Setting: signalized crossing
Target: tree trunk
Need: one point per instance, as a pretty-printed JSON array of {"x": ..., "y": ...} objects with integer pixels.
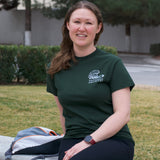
[
  {"x": 128, "y": 37},
  {"x": 28, "y": 22}
]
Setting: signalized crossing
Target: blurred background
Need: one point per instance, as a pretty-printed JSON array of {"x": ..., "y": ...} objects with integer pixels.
[{"x": 130, "y": 25}]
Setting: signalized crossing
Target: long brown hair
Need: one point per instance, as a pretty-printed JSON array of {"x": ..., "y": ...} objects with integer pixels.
[{"x": 63, "y": 58}]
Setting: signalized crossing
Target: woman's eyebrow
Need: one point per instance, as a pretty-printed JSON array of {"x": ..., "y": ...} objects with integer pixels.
[{"x": 76, "y": 18}]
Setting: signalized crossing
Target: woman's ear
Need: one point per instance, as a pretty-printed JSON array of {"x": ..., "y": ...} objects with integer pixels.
[
  {"x": 67, "y": 25},
  {"x": 99, "y": 28}
]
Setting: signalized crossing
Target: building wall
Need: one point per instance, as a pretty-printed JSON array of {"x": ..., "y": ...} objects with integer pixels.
[
  {"x": 143, "y": 37},
  {"x": 45, "y": 31},
  {"x": 11, "y": 27},
  {"x": 48, "y": 32}
]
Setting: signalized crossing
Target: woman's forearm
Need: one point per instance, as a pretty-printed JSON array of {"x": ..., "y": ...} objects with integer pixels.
[
  {"x": 110, "y": 127},
  {"x": 62, "y": 119},
  {"x": 120, "y": 117}
]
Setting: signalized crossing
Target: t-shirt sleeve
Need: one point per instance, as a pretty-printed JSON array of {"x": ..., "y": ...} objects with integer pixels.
[
  {"x": 120, "y": 77},
  {"x": 51, "y": 88}
]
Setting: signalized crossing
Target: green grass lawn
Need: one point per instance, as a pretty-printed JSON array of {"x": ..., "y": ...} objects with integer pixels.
[{"x": 22, "y": 107}]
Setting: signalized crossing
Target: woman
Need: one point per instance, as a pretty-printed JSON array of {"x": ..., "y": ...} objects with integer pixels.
[{"x": 92, "y": 91}]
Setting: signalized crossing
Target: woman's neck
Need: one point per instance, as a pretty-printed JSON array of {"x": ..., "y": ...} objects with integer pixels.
[{"x": 82, "y": 51}]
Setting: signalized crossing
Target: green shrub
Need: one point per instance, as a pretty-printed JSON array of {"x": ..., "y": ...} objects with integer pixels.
[
  {"x": 7, "y": 65},
  {"x": 109, "y": 49},
  {"x": 155, "y": 49},
  {"x": 31, "y": 63},
  {"x": 49, "y": 52},
  {"x": 28, "y": 63}
]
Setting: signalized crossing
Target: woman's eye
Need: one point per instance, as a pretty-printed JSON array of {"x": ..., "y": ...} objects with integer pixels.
[
  {"x": 88, "y": 23},
  {"x": 76, "y": 21}
]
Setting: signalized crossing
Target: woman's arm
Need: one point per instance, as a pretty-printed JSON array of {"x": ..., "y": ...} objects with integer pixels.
[
  {"x": 62, "y": 119},
  {"x": 121, "y": 108},
  {"x": 120, "y": 117}
]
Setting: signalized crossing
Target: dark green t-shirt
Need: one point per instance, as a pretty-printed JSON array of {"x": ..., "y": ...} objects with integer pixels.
[{"x": 85, "y": 91}]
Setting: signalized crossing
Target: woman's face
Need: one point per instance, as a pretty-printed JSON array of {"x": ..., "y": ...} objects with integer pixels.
[{"x": 83, "y": 27}]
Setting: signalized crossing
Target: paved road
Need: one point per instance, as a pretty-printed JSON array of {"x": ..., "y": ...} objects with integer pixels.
[
  {"x": 144, "y": 74},
  {"x": 143, "y": 69}
]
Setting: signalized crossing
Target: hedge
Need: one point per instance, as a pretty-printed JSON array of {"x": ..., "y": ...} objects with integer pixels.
[
  {"x": 28, "y": 63},
  {"x": 32, "y": 62},
  {"x": 155, "y": 49},
  {"x": 108, "y": 49},
  {"x": 7, "y": 63}
]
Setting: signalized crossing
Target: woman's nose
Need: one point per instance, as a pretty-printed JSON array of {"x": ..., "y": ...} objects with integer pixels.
[{"x": 82, "y": 27}]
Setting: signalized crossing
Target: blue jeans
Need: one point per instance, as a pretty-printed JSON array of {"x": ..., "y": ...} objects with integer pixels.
[{"x": 110, "y": 149}]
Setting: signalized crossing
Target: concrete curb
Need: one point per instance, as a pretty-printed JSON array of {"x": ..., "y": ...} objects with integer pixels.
[{"x": 5, "y": 143}]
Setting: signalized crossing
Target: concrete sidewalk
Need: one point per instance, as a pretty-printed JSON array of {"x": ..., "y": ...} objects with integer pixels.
[
  {"x": 5, "y": 143},
  {"x": 139, "y": 59},
  {"x": 144, "y": 69}
]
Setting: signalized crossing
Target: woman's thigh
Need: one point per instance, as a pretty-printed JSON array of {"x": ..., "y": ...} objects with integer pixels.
[
  {"x": 65, "y": 145},
  {"x": 106, "y": 150}
]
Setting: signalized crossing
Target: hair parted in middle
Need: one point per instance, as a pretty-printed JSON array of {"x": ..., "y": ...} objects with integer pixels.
[{"x": 63, "y": 58}]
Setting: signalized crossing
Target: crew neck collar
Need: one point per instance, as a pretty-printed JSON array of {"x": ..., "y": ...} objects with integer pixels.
[{"x": 87, "y": 56}]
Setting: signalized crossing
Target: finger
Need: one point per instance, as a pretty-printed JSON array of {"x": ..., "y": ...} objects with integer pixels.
[{"x": 69, "y": 154}]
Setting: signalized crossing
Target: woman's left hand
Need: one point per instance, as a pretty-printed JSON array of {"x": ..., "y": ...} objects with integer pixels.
[{"x": 75, "y": 149}]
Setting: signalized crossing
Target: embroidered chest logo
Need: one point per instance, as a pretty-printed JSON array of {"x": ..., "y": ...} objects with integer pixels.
[{"x": 95, "y": 76}]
